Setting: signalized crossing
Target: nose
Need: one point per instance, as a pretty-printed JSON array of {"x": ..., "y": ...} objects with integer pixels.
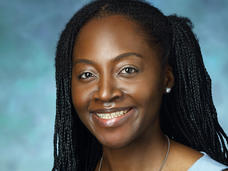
[{"x": 107, "y": 90}]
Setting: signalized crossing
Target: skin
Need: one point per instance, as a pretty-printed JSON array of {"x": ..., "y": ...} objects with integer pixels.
[{"x": 101, "y": 77}]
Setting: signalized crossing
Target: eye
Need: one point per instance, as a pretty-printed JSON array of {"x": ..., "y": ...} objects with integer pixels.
[
  {"x": 129, "y": 70},
  {"x": 85, "y": 75}
]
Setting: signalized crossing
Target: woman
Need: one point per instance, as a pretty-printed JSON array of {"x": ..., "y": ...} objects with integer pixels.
[{"x": 133, "y": 93}]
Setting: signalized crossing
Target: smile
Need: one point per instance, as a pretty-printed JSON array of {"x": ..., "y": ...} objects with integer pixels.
[{"x": 111, "y": 115}]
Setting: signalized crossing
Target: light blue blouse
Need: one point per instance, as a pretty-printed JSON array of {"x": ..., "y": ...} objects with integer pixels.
[{"x": 207, "y": 163}]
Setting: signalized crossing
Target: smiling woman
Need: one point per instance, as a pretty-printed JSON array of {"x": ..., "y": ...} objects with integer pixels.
[
  {"x": 133, "y": 93},
  {"x": 119, "y": 63}
]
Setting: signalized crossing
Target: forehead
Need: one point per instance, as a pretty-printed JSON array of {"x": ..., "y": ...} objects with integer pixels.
[
  {"x": 110, "y": 35},
  {"x": 111, "y": 27},
  {"x": 114, "y": 23}
]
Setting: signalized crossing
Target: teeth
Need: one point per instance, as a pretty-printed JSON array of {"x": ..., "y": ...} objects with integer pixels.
[{"x": 111, "y": 115}]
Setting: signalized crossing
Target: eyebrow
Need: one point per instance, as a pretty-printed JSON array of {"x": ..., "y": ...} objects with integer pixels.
[{"x": 117, "y": 58}]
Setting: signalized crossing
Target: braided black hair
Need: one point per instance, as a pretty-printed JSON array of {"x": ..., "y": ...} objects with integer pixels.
[{"x": 187, "y": 114}]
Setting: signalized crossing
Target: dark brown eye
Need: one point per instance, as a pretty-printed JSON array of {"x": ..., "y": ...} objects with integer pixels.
[
  {"x": 85, "y": 75},
  {"x": 128, "y": 70}
]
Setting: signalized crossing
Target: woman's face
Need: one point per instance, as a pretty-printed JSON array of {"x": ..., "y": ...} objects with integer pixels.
[{"x": 117, "y": 81}]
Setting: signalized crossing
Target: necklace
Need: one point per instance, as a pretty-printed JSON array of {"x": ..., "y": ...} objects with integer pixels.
[{"x": 163, "y": 162}]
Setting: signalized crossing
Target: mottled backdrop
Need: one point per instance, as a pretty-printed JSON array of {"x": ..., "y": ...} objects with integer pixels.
[{"x": 29, "y": 30}]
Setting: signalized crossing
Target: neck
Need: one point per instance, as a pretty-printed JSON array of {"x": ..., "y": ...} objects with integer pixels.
[{"x": 145, "y": 152}]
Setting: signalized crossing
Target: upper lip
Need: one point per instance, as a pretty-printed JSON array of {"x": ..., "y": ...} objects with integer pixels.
[{"x": 109, "y": 110}]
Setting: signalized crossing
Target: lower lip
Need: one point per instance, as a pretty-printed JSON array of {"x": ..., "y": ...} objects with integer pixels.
[{"x": 114, "y": 122}]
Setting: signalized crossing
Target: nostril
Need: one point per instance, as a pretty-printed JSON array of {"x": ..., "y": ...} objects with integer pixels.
[
  {"x": 107, "y": 91},
  {"x": 108, "y": 98}
]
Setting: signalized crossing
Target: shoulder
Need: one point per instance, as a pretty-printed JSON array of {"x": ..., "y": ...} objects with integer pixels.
[
  {"x": 207, "y": 163},
  {"x": 185, "y": 158}
]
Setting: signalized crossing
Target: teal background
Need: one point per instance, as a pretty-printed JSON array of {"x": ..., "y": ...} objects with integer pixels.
[{"x": 29, "y": 31}]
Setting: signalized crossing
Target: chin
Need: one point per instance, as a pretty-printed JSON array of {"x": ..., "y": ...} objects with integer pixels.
[
  {"x": 115, "y": 141},
  {"x": 115, "y": 144}
]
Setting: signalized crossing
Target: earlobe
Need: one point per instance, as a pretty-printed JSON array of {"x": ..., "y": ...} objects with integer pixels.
[{"x": 169, "y": 79}]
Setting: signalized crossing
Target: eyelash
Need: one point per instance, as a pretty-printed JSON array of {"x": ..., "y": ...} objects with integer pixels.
[
  {"x": 135, "y": 70},
  {"x": 131, "y": 68},
  {"x": 84, "y": 73}
]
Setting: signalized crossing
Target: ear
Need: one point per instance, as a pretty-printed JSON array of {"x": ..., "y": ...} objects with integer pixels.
[{"x": 169, "y": 79}]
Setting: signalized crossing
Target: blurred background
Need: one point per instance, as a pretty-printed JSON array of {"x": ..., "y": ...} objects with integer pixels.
[{"x": 29, "y": 31}]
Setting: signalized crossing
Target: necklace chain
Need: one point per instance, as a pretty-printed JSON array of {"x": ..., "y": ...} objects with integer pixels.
[{"x": 163, "y": 162}]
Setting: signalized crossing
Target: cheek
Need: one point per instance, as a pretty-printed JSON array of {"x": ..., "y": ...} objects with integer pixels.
[
  {"x": 148, "y": 96},
  {"x": 145, "y": 91},
  {"x": 151, "y": 93},
  {"x": 80, "y": 98}
]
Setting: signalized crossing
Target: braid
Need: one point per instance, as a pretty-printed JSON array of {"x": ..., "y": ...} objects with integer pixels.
[
  {"x": 187, "y": 115},
  {"x": 71, "y": 138},
  {"x": 194, "y": 116}
]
